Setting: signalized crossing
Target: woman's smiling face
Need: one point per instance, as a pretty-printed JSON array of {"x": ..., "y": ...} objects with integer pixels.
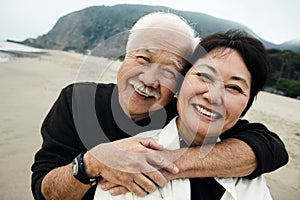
[{"x": 213, "y": 95}]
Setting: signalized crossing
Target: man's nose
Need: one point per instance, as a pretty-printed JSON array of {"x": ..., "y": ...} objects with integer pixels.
[{"x": 150, "y": 76}]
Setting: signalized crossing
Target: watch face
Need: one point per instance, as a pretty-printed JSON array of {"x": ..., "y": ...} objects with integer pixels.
[{"x": 75, "y": 167}]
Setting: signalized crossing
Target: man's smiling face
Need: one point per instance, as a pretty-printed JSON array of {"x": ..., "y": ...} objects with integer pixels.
[{"x": 147, "y": 80}]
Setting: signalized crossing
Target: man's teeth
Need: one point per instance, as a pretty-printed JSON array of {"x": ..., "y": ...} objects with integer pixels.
[
  {"x": 140, "y": 91},
  {"x": 206, "y": 112},
  {"x": 143, "y": 90}
]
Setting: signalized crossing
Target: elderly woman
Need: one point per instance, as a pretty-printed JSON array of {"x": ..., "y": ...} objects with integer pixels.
[{"x": 228, "y": 71}]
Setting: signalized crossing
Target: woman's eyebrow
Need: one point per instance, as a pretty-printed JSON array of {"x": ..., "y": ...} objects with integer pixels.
[
  {"x": 211, "y": 68},
  {"x": 238, "y": 78}
]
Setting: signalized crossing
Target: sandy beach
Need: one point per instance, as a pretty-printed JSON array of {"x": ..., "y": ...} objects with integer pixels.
[{"x": 30, "y": 84}]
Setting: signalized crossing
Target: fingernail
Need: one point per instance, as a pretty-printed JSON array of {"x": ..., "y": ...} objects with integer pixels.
[
  {"x": 103, "y": 186},
  {"x": 112, "y": 192},
  {"x": 176, "y": 170}
]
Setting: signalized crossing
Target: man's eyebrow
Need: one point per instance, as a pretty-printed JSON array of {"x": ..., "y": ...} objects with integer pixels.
[
  {"x": 177, "y": 64},
  {"x": 147, "y": 50},
  {"x": 175, "y": 61}
]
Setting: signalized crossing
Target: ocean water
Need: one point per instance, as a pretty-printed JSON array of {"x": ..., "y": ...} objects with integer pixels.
[
  {"x": 6, "y": 47},
  {"x": 10, "y": 46},
  {"x": 4, "y": 57}
]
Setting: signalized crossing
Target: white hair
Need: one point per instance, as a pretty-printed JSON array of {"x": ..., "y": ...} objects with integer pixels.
[
  {"x": 169, "y": 22},
  {"x": 161, "y": 19}
]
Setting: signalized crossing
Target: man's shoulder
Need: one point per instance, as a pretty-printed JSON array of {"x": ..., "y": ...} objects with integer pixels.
[
  {"x": 246, "y": 125},
  {"x": 88, "y": 86}
]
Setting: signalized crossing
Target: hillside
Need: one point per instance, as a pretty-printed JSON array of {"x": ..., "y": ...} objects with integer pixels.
[
  {"x": 293, "y": 45},
  {"x": 85, "y": 29}
]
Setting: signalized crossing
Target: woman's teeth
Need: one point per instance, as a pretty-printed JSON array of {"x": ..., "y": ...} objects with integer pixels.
[{"x": 207, "y": 113}]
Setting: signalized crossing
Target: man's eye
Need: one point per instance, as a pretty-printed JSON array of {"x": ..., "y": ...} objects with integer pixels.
[
  {"x": 205, "y": 77},
  {"x": 168, "y": 74},
  {"x": 143, "y": 59}
]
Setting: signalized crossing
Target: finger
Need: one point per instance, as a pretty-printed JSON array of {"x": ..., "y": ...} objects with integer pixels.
[
  {"x": 145, "y": 183},
  {"x": 155, "y": 176},
  {"x": 102, "y": 181},
  {"x": 108, "y": 185},
  {"x": 136, "y": 189},
  {"x": 118, "y": 190},
  {"x": 151, "y": 143},
  {"x": 160, "y": 162},
  {"x": 172, "y": 168}
]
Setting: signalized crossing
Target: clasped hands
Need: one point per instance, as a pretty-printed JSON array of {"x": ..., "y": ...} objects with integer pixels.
[{"x": 137, "y": 165}]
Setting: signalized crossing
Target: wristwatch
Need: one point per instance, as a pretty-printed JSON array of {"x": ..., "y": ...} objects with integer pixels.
[{"x": 79, "y": 173}]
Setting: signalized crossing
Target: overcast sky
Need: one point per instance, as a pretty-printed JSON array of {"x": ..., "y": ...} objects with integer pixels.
[{"x": 276, "y": 21}]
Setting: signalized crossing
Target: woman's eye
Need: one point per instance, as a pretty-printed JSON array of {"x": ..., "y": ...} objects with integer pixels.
[{"x": 235, "y": 89}]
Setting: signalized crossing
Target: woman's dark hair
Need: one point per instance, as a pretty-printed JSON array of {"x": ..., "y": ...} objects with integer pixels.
[{"x": 251, "y": 50}]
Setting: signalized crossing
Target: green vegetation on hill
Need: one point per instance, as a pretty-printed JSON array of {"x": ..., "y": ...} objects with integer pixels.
[{"x": 285, "y": 71}]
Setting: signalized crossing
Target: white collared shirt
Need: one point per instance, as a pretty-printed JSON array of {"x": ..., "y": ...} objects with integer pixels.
[{"x": 179, "y": 189}]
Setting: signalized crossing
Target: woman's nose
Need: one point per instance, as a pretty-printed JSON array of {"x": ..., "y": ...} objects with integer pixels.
[{"x": 215, "y": 95}]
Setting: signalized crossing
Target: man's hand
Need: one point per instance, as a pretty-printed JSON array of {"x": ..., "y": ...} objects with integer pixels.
[
  {"x": 115, "y": 189},
  {"x": 132, "y": 163}
]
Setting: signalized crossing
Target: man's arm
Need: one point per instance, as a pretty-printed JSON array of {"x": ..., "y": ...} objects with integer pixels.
[
  {"x": 229, "y": 158},
  {"x": 60, "y": 184},
  {"x": 128, "y": 162},
  {"x": 51, "y": 168},
  {"x": 128, "y": 167},
  {"x": 52, "y": 177},
  {"x": 247, "y": 150}
]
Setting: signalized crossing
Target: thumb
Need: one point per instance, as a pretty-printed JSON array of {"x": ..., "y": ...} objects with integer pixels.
[{"x": 151, "y": 143}]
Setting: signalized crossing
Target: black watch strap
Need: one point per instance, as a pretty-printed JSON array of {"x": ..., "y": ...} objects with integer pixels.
[{"x": 79, "y": 173}]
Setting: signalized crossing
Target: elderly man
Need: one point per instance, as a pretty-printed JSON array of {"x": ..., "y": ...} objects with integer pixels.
[{"x": 77, "y": 150}]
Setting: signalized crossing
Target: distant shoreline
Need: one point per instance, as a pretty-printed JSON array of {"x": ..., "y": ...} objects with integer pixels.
[
  {"x": 18, "y": 47},
  {"x": 11, "y": 49},
  {"x": 4, "y": 57}
]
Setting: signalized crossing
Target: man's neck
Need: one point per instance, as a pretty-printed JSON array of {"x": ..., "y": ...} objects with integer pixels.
[{"x": 138, "y": 117}]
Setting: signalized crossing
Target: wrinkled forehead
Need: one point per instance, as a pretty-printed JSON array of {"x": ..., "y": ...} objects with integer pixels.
[
  {"x": 164, "y": 39},
  {"x": 161, "y": 55}
]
